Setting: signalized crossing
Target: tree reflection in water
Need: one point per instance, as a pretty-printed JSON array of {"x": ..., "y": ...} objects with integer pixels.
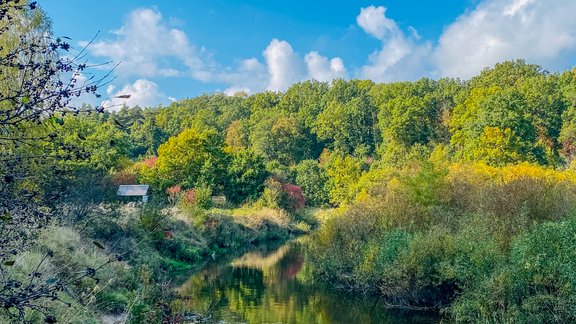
[{"x": 274, "y": 286}]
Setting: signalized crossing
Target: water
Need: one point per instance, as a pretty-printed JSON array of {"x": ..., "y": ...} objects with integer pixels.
[{"x": 273, "y": 285}]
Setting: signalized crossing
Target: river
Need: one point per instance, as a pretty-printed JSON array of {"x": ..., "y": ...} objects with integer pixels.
[{"x": 273, "y": 285}]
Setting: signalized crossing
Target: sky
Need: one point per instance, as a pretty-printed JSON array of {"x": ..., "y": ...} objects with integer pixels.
[{"x": 170, "y": 50}]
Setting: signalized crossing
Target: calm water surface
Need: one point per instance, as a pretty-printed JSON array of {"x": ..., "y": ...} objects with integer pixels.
[{"x": 273, "y": 285}]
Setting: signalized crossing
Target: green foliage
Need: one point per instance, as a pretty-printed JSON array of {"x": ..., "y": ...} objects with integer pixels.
[
  {"x": 479, "y": 243},
  {"x": 246, "y": 174},
  {"x": 344, "y": 172},
  {"x": 314, "y": 181},
  {"x": 349, "y": 118},
  {"x": 273, "y": 196},
  {"x": 509, "y": 114},
  {"x": 537, "y": 285},
  {"x": 199, "y": 197},
  {"x": 192, "y": 159}
]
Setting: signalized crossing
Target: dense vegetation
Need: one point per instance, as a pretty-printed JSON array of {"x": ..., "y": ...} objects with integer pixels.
[
  {"x": 453, "y": 195},
  {"x": 449, "y": 195}
]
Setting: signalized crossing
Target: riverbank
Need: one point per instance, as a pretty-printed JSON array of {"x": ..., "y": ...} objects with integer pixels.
[
  {"x": 136, "y": 252},
  {"x": 474, "y": 242}
]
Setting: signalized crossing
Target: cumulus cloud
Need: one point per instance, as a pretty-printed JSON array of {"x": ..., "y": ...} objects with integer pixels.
[
  {"x": 284, "y": 66},
  {"x": 322, "y": 69},
  {"x": 401, "y": 56},
  {"x": 142, "y": 92},
  {"x": 147, "y": 47},
  {"x": 249, "y": 76},
  {"x": 374, "y": 22},
  {"x": 542, "y": 32},
  {"x": 281, "y": 68}
]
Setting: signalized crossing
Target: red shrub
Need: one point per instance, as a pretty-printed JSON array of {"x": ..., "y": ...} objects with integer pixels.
[
  {"x": 173, "y": 193},
  {"x": 294, "y": 196},
  {"x": 150, "y": 162},
  {"x": 190, "y": 196}
]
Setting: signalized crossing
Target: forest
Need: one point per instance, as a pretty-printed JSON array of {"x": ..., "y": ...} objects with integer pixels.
[{"x": 453, "y": 196}]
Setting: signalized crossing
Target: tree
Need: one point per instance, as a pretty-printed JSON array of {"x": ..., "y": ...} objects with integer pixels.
[
  {"x": 36, "y": 87},
  {"x": 514, "y": 106},
  {"x": 349, "y": 119},
  {"x": 246, "y": 174},
  {"x": 237, "y": 135},
  {"x": 282, "y": 139},
  {"x": 193, "y": 159},
  {"x": 313, "y": 181},
  {"x": 343, "y": 171}
]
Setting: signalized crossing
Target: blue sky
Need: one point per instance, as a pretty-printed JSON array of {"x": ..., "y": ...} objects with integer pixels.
[{"x": 176, "y": 49}]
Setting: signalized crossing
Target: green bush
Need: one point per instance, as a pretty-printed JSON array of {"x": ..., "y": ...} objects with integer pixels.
[
  {"x": 479, "y": 243},
  {"x": 538, "y": 285}
]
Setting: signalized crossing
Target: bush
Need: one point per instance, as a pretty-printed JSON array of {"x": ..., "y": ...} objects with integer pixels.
[
  {"x": 196, "y": 198},
  {"x": 480, "y": 243},
  {"x": 273, "y": 195},
  {"x": 537, "y": 286},
  {"x": 294, "y": 200}
]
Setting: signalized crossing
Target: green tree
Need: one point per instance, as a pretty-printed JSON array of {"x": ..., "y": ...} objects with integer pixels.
[
  {"x": 314, "y": 182},
  {"x": 343, "y": 171},
  {"x": 246, "y": 174},
  {"x": 193, "y": 159},
  {"x": 350, "y": 118}
]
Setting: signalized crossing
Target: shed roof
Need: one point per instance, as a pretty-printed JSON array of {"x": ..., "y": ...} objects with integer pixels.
[{"x": 132, "y": 190}]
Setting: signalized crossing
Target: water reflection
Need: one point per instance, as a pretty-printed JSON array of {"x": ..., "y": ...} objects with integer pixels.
[{"x": 273, "y": 285}]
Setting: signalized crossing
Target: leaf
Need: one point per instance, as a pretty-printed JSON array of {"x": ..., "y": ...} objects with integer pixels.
[
  {"x": 25, "y": 100},
  {"x": 9, "y": 263},
  {"x": 98, "y": 245},
  {"x": 51, "y": 281},
  {"x": 59, "y": 121},
  {"x": 80, "y": 136}
]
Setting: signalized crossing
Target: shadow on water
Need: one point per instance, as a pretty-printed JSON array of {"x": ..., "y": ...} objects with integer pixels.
[{"x": 273, "y": 285}]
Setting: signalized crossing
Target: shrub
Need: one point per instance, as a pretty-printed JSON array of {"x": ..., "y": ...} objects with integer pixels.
[
  {"x": 480, "y": 243},
  {"x": 536, "y": 286},
  {"x": 273, "y": 195},
  {"x": 196, "y": 198},
  {"x": 294, "y": 198}
]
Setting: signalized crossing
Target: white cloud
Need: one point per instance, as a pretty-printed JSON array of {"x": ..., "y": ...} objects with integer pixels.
[
  {"x": 542, "y": 32},
  {"x": 147, "y": 47},
  {"x": 401, "y": 57},
  {"x": 142, "y": 92},
  {"x": 322, "y": 69},
  {"x": 284, "y": 66},
  {"x": 374, "y": 22},
  {"x": 249, "y": 76}
]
